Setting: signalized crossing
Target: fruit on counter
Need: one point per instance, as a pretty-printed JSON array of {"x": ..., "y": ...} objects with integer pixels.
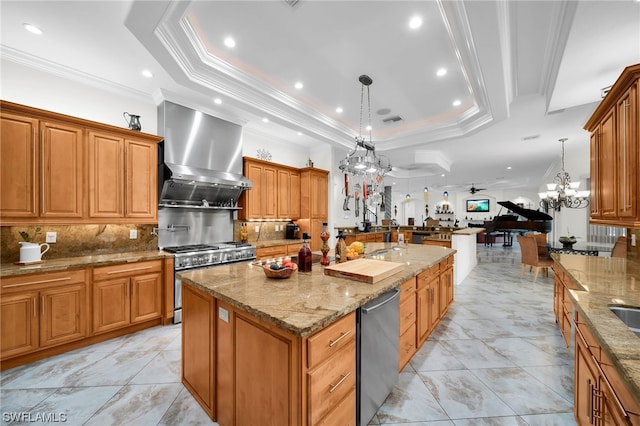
[
  {"x": 357, "y": 246},
  {"x": 276, "y": 267},
  {"x": 352, "y": 253}
]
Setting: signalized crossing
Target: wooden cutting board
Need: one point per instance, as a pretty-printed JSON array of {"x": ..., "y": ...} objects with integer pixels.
[{"x": 365, "y": 270}]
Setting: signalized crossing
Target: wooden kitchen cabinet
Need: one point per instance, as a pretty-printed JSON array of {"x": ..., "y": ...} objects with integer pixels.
[
  {"x": 310, "y": 381},
  {"x": 42, "y": 168},
  {"x": 126, "y": 294},
  {"x": 122, "y": 177},
  {"x": 615, "y": 157},
  {"x": 66, "y": 170},
  {"x": 407, "y": 322},
  {"x": 313, "y": 203},
  {"x": 43, "y": 310},
  {"x": 600, "y": 395},
  {"x": 563, "y": 307},
  {"x": 288, "y": 193}
]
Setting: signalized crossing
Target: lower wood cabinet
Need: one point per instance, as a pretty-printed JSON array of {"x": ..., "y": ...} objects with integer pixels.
[
  {"x": 126, "y": 294},
  {"x": 49, "y": 313},
  {"x": 407, "y": 347},
  {"x": 562, "y": 305},
  {"x": 600, "y": 395},
  {"x": 243, "y": 370},
  {"x": 43, "y": 310}
]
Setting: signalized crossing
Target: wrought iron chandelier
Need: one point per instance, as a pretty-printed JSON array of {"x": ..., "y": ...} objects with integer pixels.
[
  {"x": 563, "y": 192},
  {"x": 363, "y": 160}
]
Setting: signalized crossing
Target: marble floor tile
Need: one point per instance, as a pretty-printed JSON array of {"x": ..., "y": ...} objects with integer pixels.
[
  {"x": 463, "y": 396},
  {"x": 410, "y": 401},
  {"x": 137, "y": 405},
  {"x": 434, "y": 356},
  {"x": 117, "y": 369},
  {"x": 492, "y": 421},
  {"x": 557, "y": 377},
  {"x": 522, "y": 391},
  {"x": 474, "y": 353},
  {"x": 185, "y": 410},
  {"x": 561, "y": 419},
  {"x": 77, "y": 404},
  {"x": 21, "y": 400},
  {"x": 522, "y": 353},
  {"x": 164, "y": 368}
]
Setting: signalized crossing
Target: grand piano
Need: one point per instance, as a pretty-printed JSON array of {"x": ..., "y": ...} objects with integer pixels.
[{"x": 509, "y": 223}]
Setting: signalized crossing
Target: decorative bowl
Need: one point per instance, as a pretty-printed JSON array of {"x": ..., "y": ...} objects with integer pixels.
[{"x": 279, "y": 273}]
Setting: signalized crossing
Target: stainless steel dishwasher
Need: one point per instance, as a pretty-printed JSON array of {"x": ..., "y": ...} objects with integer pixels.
[{"x": 377, "y": 337}]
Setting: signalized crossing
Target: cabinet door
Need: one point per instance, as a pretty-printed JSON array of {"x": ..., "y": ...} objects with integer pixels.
[
  {"x": 627, "y": 160},
  {"x": 607, "y": 167},
  {"x": 586, "y": 404},
  {"x": 142, "y": 180},
  {"x": 63, "y": 314},
  {"x": 270, "y": 181},
  {"x": 316, "y": 228},
  {"x": 146, "y": 297},
  {"x": 319, "y": 209},
  {"x": 19, "y": 326},
  {"x": 294, "y": 195},
  {"x": 434, "y": 286},
  {"x": 19, "y": 171},
  {"x": 284, "y": 194},
  {"x": 594, "y": 148},
  {"x": 106, "y": 175},
  {"x": 253, "y": 197},
  {"x": 62, "y": 177},
  {"x": 423, "y": 307},
  {"x": 111, "y": 304}
]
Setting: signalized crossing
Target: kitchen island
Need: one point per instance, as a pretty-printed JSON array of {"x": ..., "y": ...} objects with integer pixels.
[{"x": 284, "y": 350}]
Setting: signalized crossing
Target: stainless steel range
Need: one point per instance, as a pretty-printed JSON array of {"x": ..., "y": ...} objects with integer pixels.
[
  {"x": 199, "y": 256},
  {"x": 200, "y": 180}
]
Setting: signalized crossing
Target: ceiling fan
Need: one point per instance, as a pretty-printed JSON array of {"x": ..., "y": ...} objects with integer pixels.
[{"x": 473, "y": 189}]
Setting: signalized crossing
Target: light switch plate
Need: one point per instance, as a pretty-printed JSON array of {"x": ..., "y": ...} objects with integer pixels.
[
  {"x": 257, "y": 228},
  {"x": 133, "y": 234},
  {"x": 633, "y": 240},
  {"x": 51, "y": 237}
]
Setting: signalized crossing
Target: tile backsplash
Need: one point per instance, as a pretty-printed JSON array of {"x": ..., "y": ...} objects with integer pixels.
[
  {"x": 267, "y": 230},
  {"x": 78, "y": 240}
]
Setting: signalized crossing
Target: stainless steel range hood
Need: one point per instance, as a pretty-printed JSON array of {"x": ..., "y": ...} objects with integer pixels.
[{"x": 202, "y": 155}]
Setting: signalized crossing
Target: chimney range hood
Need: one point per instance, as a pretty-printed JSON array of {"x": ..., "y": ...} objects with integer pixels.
[{"x": 201, "y": 160}]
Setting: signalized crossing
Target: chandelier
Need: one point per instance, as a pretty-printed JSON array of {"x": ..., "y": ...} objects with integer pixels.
[
  {"x": 563, "y": 192},
  {"x": 363, "y": 160}
]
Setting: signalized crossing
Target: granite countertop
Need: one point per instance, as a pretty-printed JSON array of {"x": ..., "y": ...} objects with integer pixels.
[
  {"x": 64, "y": 263},
  {"x": 308, "y": 301},
  {"x": 604, "y": 282}
]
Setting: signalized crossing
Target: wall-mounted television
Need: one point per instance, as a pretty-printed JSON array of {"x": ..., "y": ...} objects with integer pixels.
[{"x": 478, "y": 206}]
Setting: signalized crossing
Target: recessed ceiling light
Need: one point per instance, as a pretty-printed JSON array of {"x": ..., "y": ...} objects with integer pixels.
[
  {"x": 442, "y": 175},
  {"x": 147, "y": 73},
  {"x": 299, "y": 133},
  {"x": 415, "y": 22},
  {"x": 368, "y": 128},
  {"x": 265, "y": 120},
  {"x": 230, "y": 42},
  {"x": 508, "y": 167},
  {"x": 339, "y": 110},
  {"x": 217, "y": 101},
  {"x": 298, "y": 85},
  {"x": 456, "y": 102},
  {"x": 441, "y": 72},
  {"x": 32, "y": 28}
]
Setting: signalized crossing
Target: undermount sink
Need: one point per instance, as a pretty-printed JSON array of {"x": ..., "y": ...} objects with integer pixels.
[
  {"x": 383, "y": 251},
  {"x": 629, "y": 316}
]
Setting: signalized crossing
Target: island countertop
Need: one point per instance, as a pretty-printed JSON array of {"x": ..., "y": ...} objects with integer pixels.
[
  {"x": 604, "y": 282},
  {"x": 308, "y": 301}
]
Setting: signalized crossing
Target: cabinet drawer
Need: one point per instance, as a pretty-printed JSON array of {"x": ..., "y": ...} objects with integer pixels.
[
  {"x": 293, "y": 249},
  {"x": 407, "y": 289},
  {"x": 428, "y": 275},
  {"x": 329, "y": 340},
  {"x": 344, "y": 414},
  {"x": 37, "y": 281},
  {"x": 126, "y": 270},
  {"x": 407, "y": 312},
  {"x": 331, "y": 381},
  {"x": 273, "y": 251},
  {"x": 407, "y": 345}
]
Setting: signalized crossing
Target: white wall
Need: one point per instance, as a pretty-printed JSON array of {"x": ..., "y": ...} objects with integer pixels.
[{"x": 29, "y": 86}]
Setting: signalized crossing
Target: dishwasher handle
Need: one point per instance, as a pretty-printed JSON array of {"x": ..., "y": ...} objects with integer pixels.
[{"x": 396, "y": 293}]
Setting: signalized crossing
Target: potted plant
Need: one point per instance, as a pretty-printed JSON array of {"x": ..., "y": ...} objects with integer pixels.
[{"x": 567, "y": 242}]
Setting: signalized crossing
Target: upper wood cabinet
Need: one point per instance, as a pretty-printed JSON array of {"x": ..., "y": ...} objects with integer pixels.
[
  {"x": 61, "y": 169},
  {"x": 275, "y": 193},
  {"x": 122, "y": 177},
  {"x": 615, "y": 156},
  {"x": 41, "y": 168},
  {"x": 314, "y": 188}
]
